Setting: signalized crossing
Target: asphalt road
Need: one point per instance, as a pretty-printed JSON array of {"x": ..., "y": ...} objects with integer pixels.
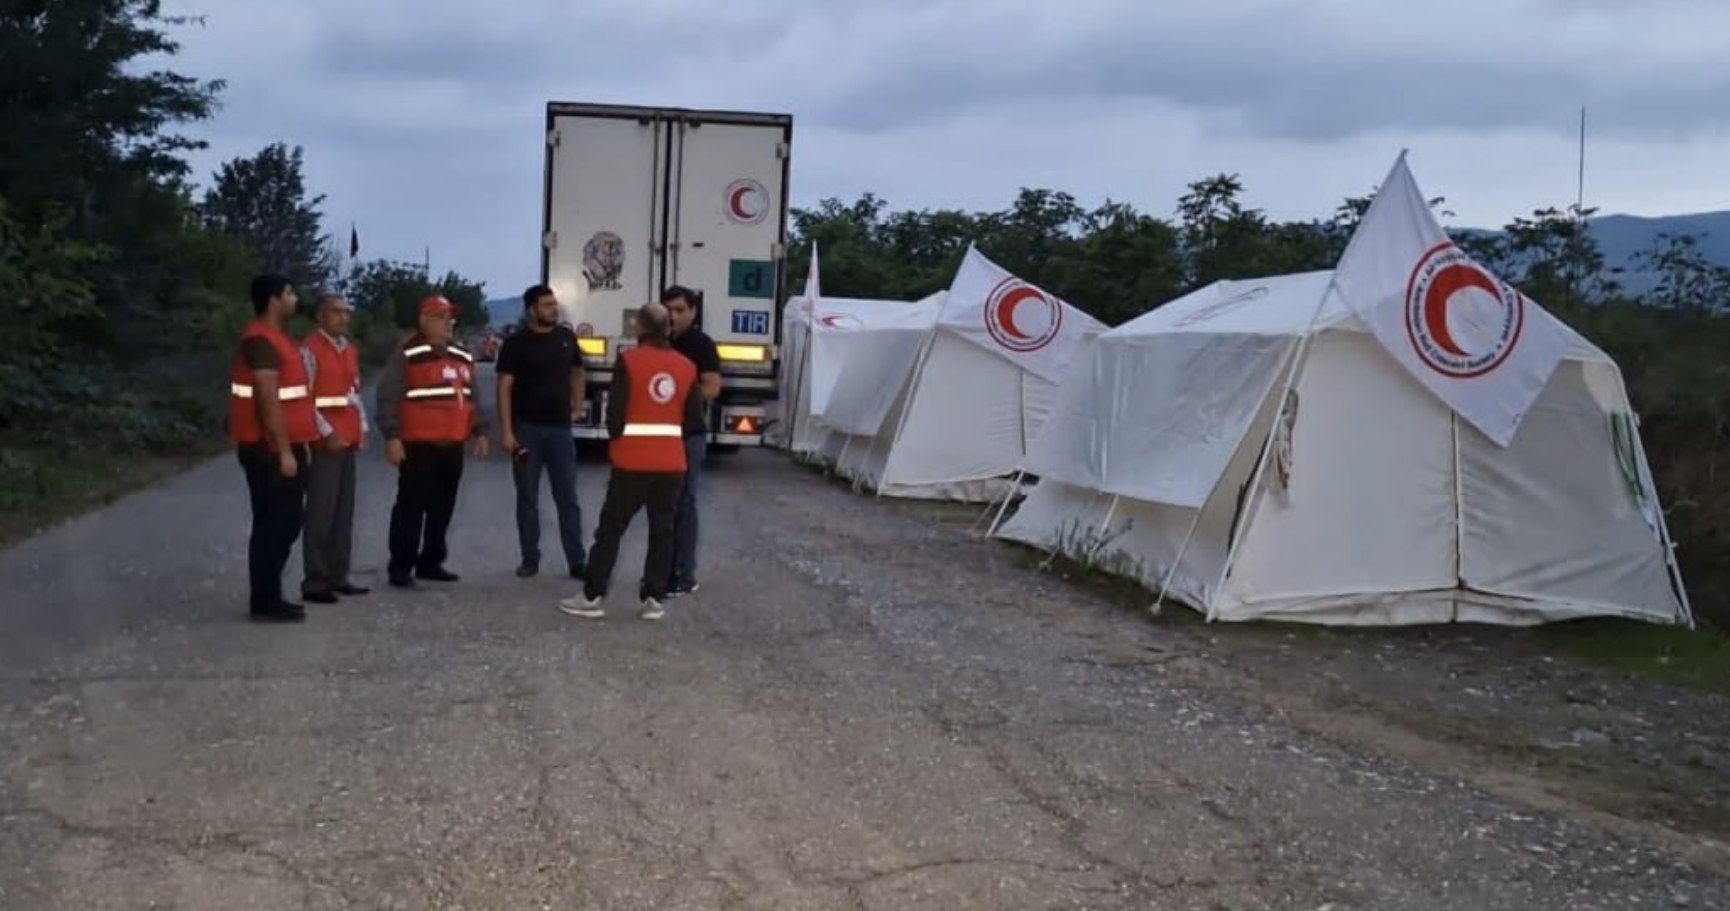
[{"x": 863, "y": 708}]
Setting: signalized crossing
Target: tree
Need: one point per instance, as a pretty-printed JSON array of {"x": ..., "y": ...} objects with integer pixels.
[
  {"x": 262, "y": 202},
  {"x": 78, "y": 123},
  {"x": 392, "y": 291}
]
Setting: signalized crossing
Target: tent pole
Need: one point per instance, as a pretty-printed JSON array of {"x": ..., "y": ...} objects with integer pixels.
[
  {"x": 1647, "y": 481},
  {"x": 1300, "y": 351},
  {"x": 1014, "y": 487},
  {"x": 1177, "y": 561},
  {"x": 911, "y": 389},
  {"x": 835, "y": 466},
  {"x": 1459, "y": 513}
]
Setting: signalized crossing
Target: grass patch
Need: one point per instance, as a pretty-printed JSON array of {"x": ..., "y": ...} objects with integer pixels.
[
  {"x": 1698, "y": 658},
  {"x": 46, "y": 485}
]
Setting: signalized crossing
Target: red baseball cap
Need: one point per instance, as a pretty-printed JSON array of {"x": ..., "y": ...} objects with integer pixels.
[{"x": 437, "y": 305}]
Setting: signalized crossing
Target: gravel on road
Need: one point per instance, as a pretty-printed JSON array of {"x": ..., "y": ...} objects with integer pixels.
[{"x": 864, "y": 707}]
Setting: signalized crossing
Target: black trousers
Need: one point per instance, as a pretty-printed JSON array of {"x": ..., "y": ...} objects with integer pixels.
[
  {"x": 278, "y": 506},
  {"x": 627, "y": 492},
  {"x": 426, "y": 496}
]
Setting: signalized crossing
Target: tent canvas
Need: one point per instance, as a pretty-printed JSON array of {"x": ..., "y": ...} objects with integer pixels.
[
  {"x": 811, "y": 363},
  {"x": 925, "y": 413},
  {"x": 1370, "y": 502}
]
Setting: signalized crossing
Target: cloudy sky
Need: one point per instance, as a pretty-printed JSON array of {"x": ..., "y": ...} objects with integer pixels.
[{"x": 422, "y": 119}]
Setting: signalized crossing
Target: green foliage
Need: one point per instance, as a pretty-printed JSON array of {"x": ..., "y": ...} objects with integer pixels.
[
  {"x": 121, "y": 298},
  {"x": 394, "y": 290},
  {"x": 1673, "y": 344},
  {"x": 262, "y": 202}
]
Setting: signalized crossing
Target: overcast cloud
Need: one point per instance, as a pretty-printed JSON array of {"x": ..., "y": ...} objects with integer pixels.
[{"x": 422, "y": 119}]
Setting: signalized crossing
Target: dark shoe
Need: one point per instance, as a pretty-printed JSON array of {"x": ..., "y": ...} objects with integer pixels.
[
  {"x": 682, "y": 588},
  {"x": 286, "y": 612},
  {"x": 525, "y": 571},
  {"x": 436, "y": 574},
  {"x": 401, "y": 580},
  {"x": 349, "y": 588},
  {"x": 319, "y": 597}
]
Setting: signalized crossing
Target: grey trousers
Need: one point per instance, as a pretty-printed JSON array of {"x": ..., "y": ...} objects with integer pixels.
[{"x": 327, "y": 538}]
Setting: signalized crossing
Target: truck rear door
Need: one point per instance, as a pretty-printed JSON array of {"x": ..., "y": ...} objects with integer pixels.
[
  {"x": 728, "y": 237},
  {"x": 606, "y": 179}
]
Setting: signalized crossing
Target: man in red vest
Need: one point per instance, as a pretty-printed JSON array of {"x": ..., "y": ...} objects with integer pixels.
[
  {"x": 272, "y": 422},
  {"x": 426, "y": 412},
  {"x": 651, "y": 400},
  {"x": 327, "y": 540}
]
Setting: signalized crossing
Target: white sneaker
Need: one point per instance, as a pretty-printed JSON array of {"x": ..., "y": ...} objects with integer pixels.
[
  {"x": 582, "y": 606},
  {"x": 652, "y": 610}
]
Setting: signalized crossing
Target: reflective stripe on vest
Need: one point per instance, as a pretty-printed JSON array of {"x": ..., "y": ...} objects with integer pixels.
[
  {"x": 299, "y": 415},
  {"x": 332, "y": 401},
  {"x": 419, "y": 350},
  {"x": 438, "y": 396},
  {"x": 654, "y": 430},
  {"x": 286, "y": 393}
]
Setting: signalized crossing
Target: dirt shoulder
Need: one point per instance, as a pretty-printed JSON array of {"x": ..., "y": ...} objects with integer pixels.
[{"x": 1518, "y": 712}]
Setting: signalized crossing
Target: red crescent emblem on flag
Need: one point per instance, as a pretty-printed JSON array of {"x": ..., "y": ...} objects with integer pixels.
[
  {"x": 1444, "y": 283},
  {"x": 1009, "y": 311}
]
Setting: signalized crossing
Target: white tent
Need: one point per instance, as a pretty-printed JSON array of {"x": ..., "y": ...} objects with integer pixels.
[
  {"x": 922, "y": 412},
  {"x": 811, "y": 359},
  {"x": 1372, "y": 503}
]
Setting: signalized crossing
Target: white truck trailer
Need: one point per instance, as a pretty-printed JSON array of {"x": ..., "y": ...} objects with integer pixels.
[{"x": 641, "y": 198}]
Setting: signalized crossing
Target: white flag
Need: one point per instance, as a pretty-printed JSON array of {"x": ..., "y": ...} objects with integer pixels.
[
  {"x": 1019, "y": 321},
  {"x": 1468, "y": 336}
]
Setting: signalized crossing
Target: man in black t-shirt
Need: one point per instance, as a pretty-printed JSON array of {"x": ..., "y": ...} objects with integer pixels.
[
  {"x": 695, "y": 344},
  {"x": 541, "y": 394}
]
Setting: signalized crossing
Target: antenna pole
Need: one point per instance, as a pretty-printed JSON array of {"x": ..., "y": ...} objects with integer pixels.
[{"x": 1580, "y": 193}]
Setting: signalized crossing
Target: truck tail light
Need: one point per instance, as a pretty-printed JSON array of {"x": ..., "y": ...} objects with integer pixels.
[
  {"x": 754, "y": 354},
  {"x": 743, "y": 423}
]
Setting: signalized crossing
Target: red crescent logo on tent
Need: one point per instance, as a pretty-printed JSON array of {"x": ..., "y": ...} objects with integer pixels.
[
  {"x": 661, "y": 388},
  {"x": 840, "y": 321},
  {"x": 1010, "y": 309},
  {"x": 746, "y": 201},
  {"x": 1444, "y": 279}
]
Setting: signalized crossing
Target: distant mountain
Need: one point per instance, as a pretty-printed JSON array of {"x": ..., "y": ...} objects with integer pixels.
[
  {"x": 504, "y": 311},
  {"x": 1622, "y": 238}
]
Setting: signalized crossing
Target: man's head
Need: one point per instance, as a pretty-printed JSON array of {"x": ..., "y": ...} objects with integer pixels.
[
  {"x": 541, "y": 307},
  {"x": 652, "y": 324},
  {"x": 681, "y": 304},
  {"x": 332, "y": 315},
  {"x": 273, "y": 297},
  {"x": 438, "y": 318}
]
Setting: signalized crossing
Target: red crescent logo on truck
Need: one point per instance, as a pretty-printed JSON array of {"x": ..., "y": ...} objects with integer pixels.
[{"x": 747, "y": 202}]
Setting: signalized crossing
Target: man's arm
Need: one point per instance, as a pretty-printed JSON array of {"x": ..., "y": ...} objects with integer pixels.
[
  {"x": 506, "y": 368},
  {"x": 266, "y": 370},
  {"x": 617, "y": 397},
  {"x": 477, "y": 421},
  {"x": 388, "y": 396},
  {"x": 311, "y": 363},
  {"x": 579, "y": 386},
  {"x": 709, "y": 370},
  {"x": 695, "y": 405}
]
